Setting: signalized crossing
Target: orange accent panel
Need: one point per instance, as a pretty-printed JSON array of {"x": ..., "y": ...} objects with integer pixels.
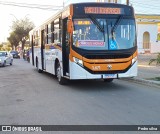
[
  {"x": 74, "y": 54},
  {"x": 71, "y": 58},
  {"x": 107, "y": 60},
  {"x": 71, "y": 10},
  {"x": 135, "y": 54},
  {"x": 47, "y": 46},
  {"x": 103, "y": 67},
  {"x": 57, "y": 47}
]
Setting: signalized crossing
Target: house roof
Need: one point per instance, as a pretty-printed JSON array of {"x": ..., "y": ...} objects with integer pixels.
[{"x": 147, "y": 18}]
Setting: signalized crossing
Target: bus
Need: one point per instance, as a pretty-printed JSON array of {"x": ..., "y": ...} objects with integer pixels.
[{"x": 87, "y": 41}]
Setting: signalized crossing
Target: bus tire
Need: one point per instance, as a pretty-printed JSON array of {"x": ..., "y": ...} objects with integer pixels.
[
  {"x": 61, "y": 80},
  {"x": 108, "y": 80},
  {"x": 37, "y": 65}
]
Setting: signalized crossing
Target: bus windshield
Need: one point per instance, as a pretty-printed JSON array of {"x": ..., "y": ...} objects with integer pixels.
[{"x": 106, "y": 34}]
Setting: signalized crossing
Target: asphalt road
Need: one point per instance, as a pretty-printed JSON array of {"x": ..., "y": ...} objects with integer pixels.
[
  {"x": 30, "y": 98},
  {"x": 146, "y": 71}
]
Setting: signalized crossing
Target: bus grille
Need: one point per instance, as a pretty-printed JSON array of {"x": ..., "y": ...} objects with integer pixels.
[{"x": 109, "y": 56}]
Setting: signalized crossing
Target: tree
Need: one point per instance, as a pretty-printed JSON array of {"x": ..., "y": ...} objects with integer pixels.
[
  {"x": 157, "y": 60},
  {"x": 1, "y": 45},
  {"x": 13, "y": 39},
  {"x": 21, "y": 29}
]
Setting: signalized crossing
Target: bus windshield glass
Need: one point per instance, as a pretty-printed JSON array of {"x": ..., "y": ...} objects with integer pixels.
[{"x": 105, "y": 34}]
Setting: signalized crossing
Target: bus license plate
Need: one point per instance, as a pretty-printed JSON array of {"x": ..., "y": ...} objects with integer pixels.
[{"x": 108, "y": 76}]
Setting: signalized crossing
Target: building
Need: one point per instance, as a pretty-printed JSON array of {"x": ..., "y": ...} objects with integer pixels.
[{"x": 148, "y": 33}]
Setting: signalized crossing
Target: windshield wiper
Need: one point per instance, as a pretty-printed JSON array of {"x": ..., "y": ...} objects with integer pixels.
[
  {"x": 97, "y": 23},
  {"x": 116, "y": 24}
]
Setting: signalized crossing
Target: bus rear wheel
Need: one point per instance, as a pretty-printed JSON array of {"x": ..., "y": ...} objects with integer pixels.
[{"x": 61, "y": 80}]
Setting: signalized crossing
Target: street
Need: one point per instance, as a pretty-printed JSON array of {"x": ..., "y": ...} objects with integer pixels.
[
  {"x": 145, "y": 70},
  {"x": 30, "y": 98}
]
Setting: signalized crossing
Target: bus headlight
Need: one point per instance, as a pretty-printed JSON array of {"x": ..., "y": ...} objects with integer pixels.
[
  {"x": 78, "y": 61},
  {"x": 134, "y": 60}
]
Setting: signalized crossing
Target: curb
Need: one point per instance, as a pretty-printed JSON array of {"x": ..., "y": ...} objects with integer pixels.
[{"x": 143, "y": 81}]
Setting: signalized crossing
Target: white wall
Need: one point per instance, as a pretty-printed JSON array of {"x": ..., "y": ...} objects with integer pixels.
[
  {"x": 141, "y": 28},
  {"x": 155, "y": 47}
]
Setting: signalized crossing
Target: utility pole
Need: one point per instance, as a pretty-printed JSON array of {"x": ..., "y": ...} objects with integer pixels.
[
  {"x": 63, "y": 3},
  {"x": 127, "y": 2}
]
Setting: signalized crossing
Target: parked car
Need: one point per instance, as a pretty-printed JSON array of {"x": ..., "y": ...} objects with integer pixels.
[
  {"x": 5, "y": 58},
  {"x": 15, "y": 54},
  {"x": 26, "y": 55}
]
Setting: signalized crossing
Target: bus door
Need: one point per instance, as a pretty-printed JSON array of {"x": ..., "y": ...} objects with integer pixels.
[
  {"x": 65, "y": 48},
  {"x": 42, "y": 48}
]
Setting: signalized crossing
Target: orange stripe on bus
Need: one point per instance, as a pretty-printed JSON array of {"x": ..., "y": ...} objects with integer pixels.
[
  {"x": 75, "y": 54},
  {"x": 104, "y": 67},
  {"x": 71, "y": 10},
  {"x": 57, "y": 47},
  {"x": 135, "y": 54},
  {"x": 106, "y": 60}
]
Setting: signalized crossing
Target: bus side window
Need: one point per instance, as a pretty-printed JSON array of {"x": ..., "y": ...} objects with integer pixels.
[
  {"x": 57, "y": 34},
  {"x": 49, "y": 34}
]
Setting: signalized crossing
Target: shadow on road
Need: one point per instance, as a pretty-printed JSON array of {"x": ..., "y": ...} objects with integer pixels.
[
  {"x": 87, "y": 85},
  {"x": 96, "y": 85}
]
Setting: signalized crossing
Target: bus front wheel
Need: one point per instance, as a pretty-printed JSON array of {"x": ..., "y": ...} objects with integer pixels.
[{"x": 61, "y": 80}]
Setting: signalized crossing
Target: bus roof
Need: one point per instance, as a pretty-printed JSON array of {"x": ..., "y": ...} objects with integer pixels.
[{"x": 92, "y": 8}]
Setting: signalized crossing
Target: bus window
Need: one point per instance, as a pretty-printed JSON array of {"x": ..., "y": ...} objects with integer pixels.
[
  {"x": 122, "y": 35},
  {"x": 49, "y": 34},
  {"x": 86, "y": 34},
  {"x": 57, "y": 33}
]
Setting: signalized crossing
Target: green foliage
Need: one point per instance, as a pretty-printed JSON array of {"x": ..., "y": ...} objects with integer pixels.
[
  {"x": 20, "y": 31},
  {"x": 5, "y": 47},
  {"x": 13, "y": 39},
  {"x": 1, "y": 46},
  {"x": 156, "y": 79},
  {"x": 157, "y": 60}
]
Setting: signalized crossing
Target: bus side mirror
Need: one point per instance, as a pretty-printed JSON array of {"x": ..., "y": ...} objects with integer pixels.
[{"x": 70, "y": 26}]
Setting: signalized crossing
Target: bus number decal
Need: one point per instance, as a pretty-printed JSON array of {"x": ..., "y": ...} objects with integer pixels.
[{"x": 96, "y": 67}]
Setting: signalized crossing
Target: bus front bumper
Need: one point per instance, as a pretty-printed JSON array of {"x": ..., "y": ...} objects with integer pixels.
[{"x": 78, "y": 72}]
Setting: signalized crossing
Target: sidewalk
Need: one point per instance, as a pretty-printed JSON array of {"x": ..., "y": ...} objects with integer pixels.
[{"x": 147, "y": 73}]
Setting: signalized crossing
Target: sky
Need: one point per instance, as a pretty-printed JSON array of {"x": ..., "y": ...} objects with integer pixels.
[{"x": 10, "y": 13}]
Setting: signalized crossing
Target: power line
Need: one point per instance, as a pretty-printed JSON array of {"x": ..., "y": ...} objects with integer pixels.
[
  {"x": 36, "y": 6},
  {"x": 28, "y": 4}
]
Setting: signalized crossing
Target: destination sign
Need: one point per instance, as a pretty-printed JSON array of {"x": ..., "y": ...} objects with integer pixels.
[
  {"x": 102, "y": 10},
  {"x": 82, "y": 22}
]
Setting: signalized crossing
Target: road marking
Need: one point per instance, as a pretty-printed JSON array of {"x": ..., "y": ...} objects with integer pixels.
[{"x": 147, "y": 66}]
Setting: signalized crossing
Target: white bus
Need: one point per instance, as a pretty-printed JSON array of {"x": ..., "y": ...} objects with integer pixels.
[{"x": 87, "y": 41}]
